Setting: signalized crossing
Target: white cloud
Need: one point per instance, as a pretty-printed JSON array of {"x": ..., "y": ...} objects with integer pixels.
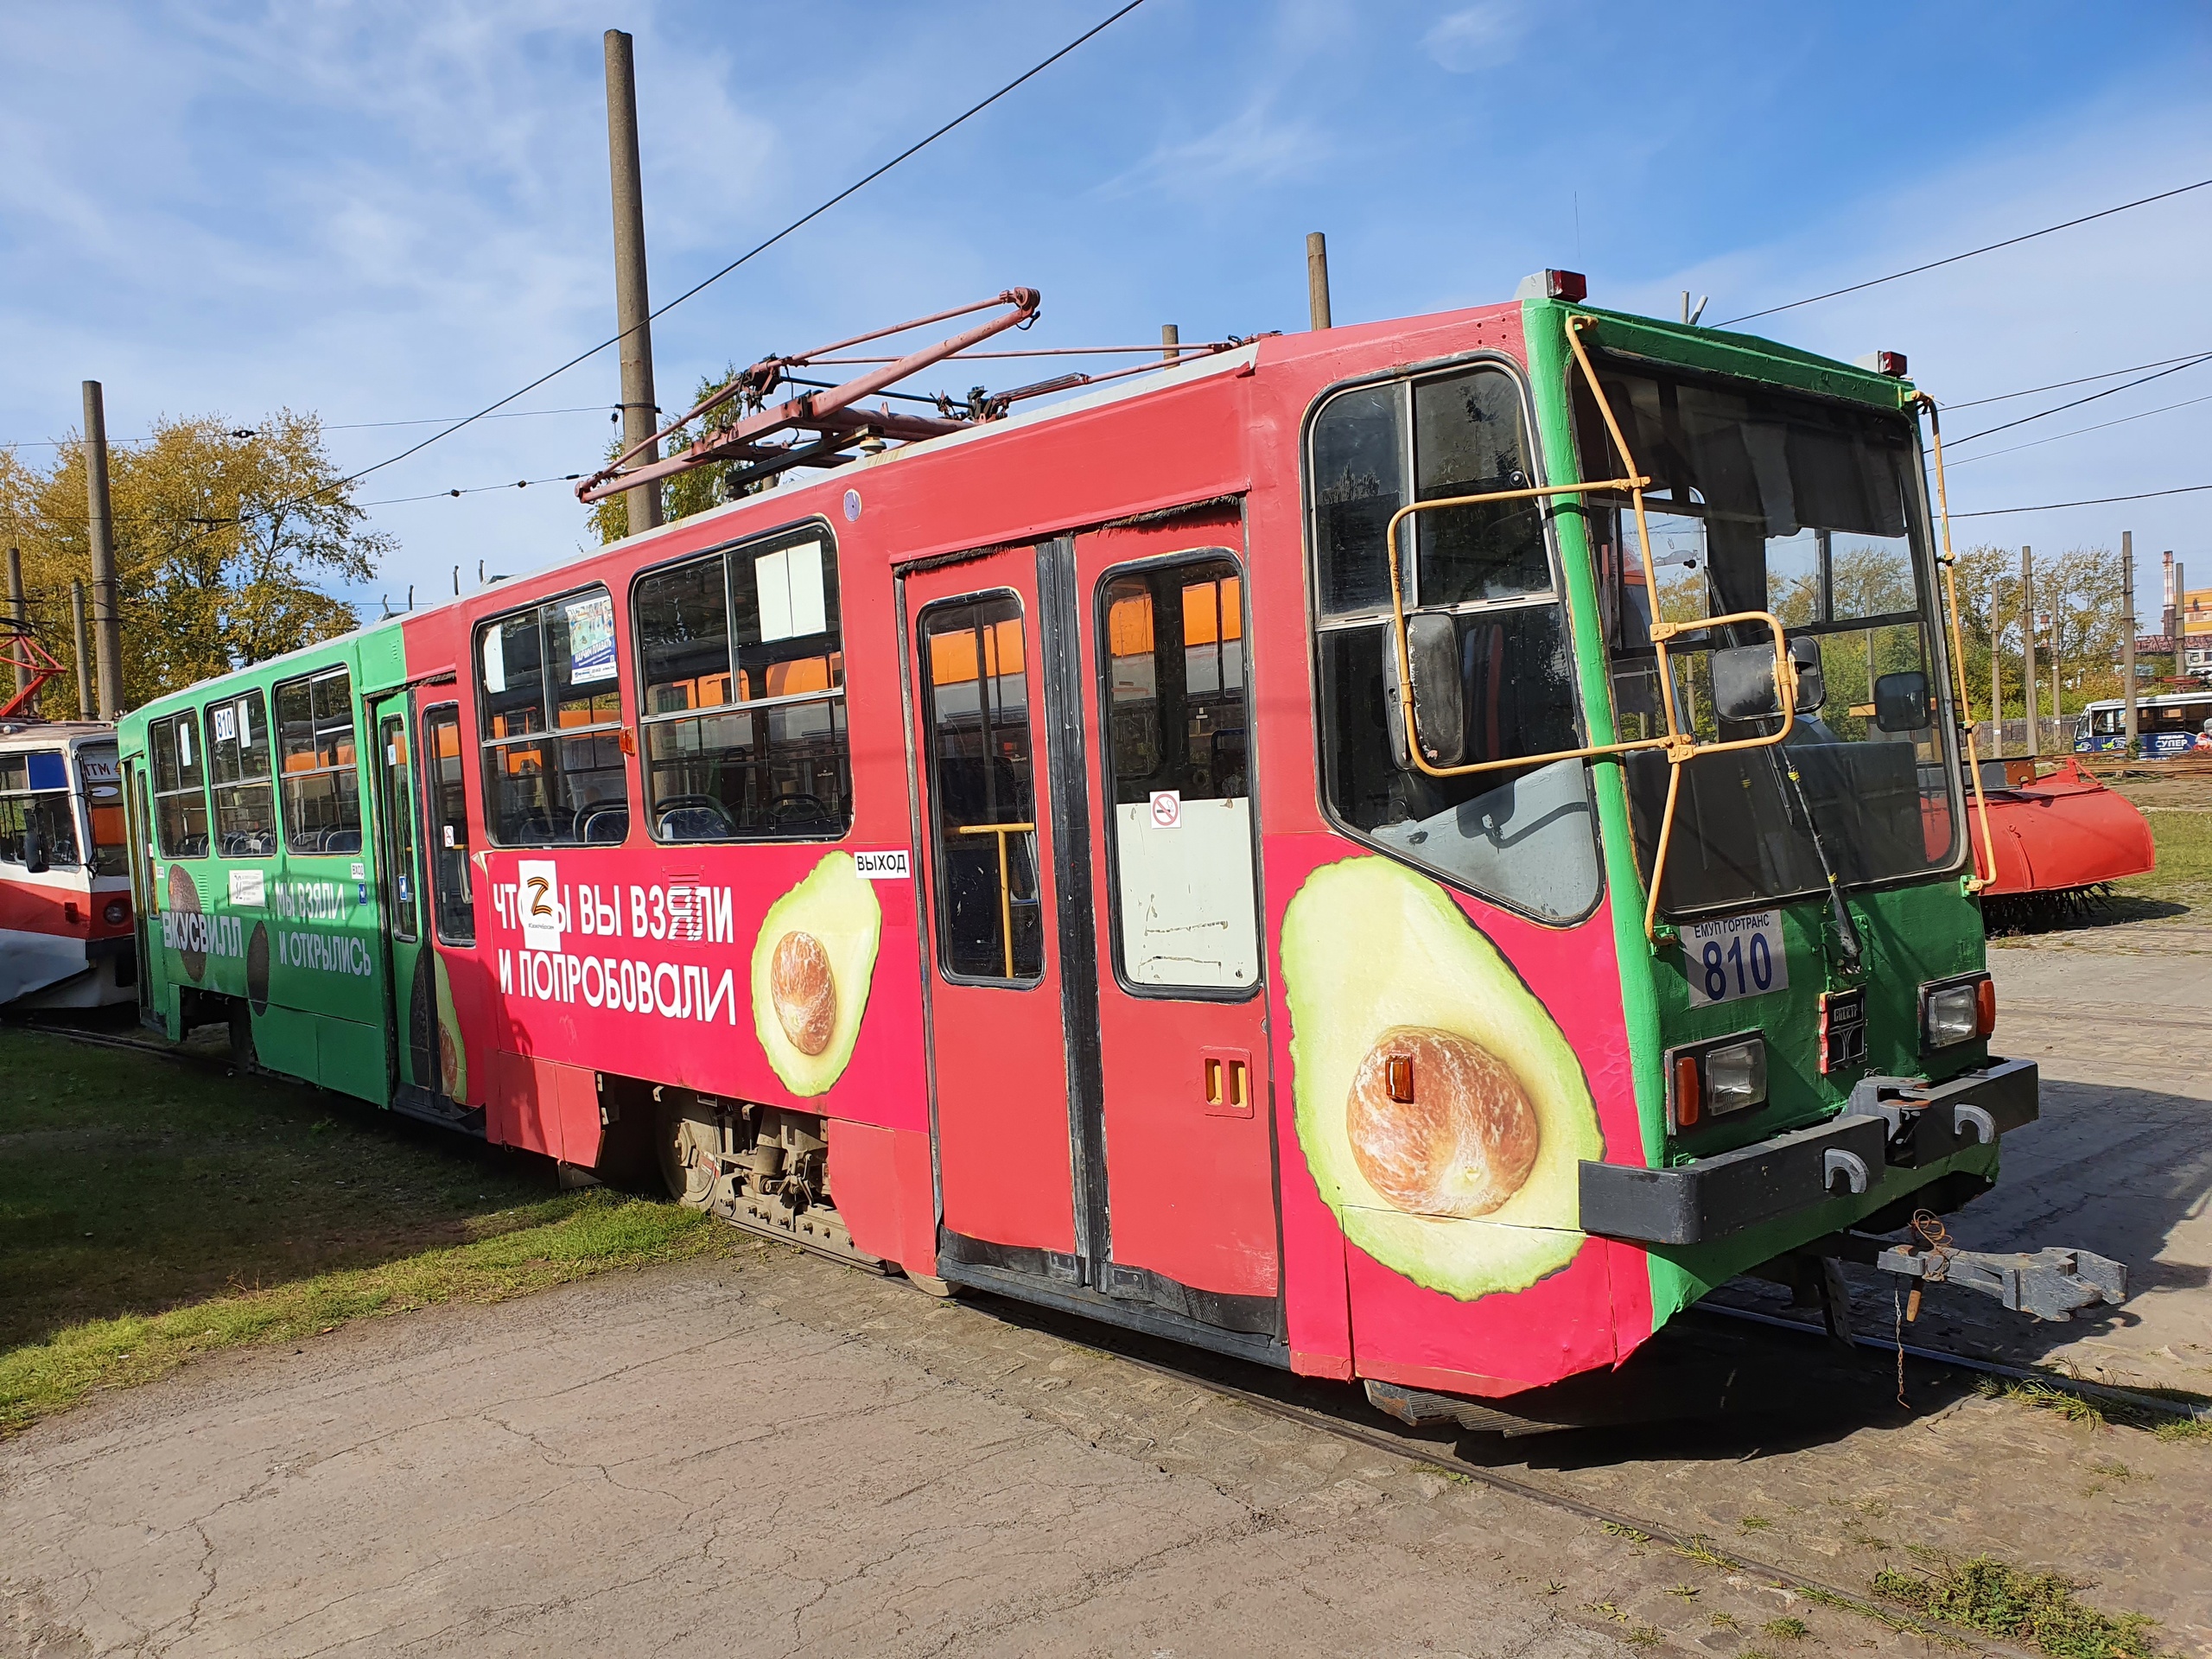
[
  {"x": 1253, "y": 147},
  {"x": 1476, "y": 37}
]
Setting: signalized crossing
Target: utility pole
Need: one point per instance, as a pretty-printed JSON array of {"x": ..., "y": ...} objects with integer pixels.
[
  {"x": 1171, "y": 342},
  {"x": 1317, "y": 279},
  {"x": 21, "y": 614},
  {"x": 83, "y": 655},
  {"x": 640, "y": 417},
  {"x": 2028, "y": 645},
  {"x": 107, "y": 608},
  {"x": 2127, "y": 631},
  {"x": 1996, "y": 669}
]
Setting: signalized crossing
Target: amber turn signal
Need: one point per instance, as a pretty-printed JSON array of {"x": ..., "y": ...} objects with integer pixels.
[
  {"x": 1689, "y": 1090},
  {"x": 1985, "y": 1007}
]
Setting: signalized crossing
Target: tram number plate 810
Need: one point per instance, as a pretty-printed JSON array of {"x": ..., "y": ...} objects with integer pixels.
[{"x": 1734, "y": 956}]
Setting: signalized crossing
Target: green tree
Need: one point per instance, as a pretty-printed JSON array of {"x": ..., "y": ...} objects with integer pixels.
[
  {"x": 222, "y": 545},
  {"x": 687, "y": 493}
]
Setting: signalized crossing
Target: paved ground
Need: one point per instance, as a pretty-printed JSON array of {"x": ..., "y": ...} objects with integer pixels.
[{"x": 776, "y": 1455}]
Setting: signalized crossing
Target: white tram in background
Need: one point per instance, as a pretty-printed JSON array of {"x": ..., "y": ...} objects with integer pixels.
[{"x": 66, "y": 931}]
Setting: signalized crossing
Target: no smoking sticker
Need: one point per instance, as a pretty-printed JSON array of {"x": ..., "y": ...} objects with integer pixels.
[{"x": 1166, "y": 808}]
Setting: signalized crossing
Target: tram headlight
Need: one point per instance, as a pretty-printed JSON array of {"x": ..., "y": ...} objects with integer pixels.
[
  {"x": 115, "y": 913},
  {"x": 1954, "y": 1011},
  {"x": 1714, "y": 1079}
]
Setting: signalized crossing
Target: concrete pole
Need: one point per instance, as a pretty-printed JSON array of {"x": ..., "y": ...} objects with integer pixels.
[
  {"x": 19, "y": 612},
  {"x": 107, "y": 603},
  {"x": 1317, "y": 279},
  {"x": 1171, "y": 342},
  {"x": 1996, "y": 671},
  {"x": 640, "y": 418},
  {"x": 84, "y": 654},
  {"x": 2028, "y": 645},
  {"x": 2127, "y": 630}
]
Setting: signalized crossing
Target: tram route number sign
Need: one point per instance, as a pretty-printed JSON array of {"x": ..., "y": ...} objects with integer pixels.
[{"x": 1734, "y": 956}]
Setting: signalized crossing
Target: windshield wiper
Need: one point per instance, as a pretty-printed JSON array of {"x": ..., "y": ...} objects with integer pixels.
[{"x": 1847, "y": 934}]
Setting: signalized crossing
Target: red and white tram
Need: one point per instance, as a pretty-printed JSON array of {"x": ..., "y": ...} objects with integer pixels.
[{"x": 65, "y": 873}]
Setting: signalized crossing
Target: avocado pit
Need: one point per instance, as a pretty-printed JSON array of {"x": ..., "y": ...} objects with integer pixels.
[
  {"x": 1439, "y": 1125},
  {"x": 805, "y": 992}
]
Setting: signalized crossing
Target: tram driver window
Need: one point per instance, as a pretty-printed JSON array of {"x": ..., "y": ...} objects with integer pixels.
[
  {"x": 741, "y": 659},
  {"x": 1524, "y": 838},
  {"x": 1177, "y": 755},
  {"x": 38, "y": 825},
  {"x": 982, "y": 795},
  {"x": 320, "y": 781},
  {"x": 236, "y": 735},
  {"x": 552, "y": 725},
  {"x": 179, "y": 792}
]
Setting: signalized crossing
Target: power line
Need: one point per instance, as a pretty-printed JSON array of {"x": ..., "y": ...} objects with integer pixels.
[
  {"x": 2060, "y": 385},
  {"x": 850, "y": 190},
  {"x": 2098, "y": 501},
  {"x": 2163, "y": 408},
  {"x": 478, "y": 489},
  {"x": 2076, "y": 403},
  {"x": 339, "y": 426},
  {"x": 2010, "y": 241}
]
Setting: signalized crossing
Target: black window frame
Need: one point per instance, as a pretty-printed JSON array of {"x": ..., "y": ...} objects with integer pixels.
[
  {"x": 187, "y": 719},
  {"x": 288, "y": 829},
  {"x": 1321, "y": 622},
  {"x": 837, "y": 696},
  {"x": 614, "y": 730},
  {"x": 266, "y": 781},
  {"x": 941, "y": 896},
  {"x": 434, "y": 818},
  {"x": 1105, "y": 681}
]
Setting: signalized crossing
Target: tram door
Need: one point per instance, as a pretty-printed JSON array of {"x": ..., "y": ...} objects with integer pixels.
[
  {"x": 1097, "y": 1043},
  {"x": 1014, "y": 1148},
  {"x": 399, "y": 815}
]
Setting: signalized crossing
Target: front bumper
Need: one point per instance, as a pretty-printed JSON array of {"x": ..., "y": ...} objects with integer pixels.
[{"x": 1890, "y": 1123}]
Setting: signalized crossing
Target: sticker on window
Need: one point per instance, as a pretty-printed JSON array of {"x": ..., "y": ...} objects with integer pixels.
[
  {"x": 591, "y": 639},
  {"x": 1734, "y": 956}
]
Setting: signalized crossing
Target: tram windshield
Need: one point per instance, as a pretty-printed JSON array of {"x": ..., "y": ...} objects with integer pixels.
[{"x": 1763, "y": 500}]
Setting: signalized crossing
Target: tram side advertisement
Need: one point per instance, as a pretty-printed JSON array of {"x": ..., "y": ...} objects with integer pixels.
[{"x": 587, "y": 966}]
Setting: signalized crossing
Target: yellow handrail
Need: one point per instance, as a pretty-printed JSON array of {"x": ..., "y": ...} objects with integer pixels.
[
  {"x": 1006, "y": 893},
  {"x": 1678, "y": 744},
  {"x": 1977, "y": 882}
]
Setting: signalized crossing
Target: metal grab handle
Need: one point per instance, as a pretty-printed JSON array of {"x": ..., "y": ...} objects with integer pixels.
[
  {"x": 1977, "y": 881},
  {"x": 1679, "y": 745},
  {"x": 1006, "y": 891}
]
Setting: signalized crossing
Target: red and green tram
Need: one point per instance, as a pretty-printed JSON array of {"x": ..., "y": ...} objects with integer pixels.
[{"x": 1411, "y": 851}]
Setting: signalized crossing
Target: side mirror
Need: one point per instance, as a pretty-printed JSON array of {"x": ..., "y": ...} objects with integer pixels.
[
  {"x": 1902, "y": 703},
  {"x": 1812, "y": 682},
  {"x": 1743, "y": 684},
  {"x": 1437, "y": 702}
]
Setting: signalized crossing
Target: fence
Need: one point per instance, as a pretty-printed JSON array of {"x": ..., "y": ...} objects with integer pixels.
[{"x": 2011, "y": 736}]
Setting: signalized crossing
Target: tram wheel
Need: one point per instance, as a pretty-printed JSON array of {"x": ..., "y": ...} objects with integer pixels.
[{"x": 688, "y": 1158}]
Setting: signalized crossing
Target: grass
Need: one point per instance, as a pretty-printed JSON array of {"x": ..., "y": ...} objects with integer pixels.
[
  {"x": 2183, "y": 841},
  {"x": 1987, "y": 1595},
  {"x": 151, "y": 1212},
  {"x": 2095, "y": 1414}
]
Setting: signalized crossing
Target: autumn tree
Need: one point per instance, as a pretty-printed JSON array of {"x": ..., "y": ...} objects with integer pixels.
[
  {"x": 686, "y": 492},
  {"x": 225, "y": 542}
]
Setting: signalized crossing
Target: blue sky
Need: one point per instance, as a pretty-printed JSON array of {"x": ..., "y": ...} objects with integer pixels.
[{"x": 399, "y": 210}]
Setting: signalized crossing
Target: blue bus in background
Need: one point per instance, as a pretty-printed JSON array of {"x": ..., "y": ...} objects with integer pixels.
[{"x": 2175, "y": 723}]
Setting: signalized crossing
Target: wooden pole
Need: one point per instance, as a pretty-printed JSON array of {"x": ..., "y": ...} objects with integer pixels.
[{"x": 1317, "y": 279}]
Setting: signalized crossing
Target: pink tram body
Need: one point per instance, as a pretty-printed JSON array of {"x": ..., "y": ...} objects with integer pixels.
[{"x": 1000, "y": 859}]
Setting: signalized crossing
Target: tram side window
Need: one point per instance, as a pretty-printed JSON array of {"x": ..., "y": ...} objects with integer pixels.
[
  {"x": 1525, "y": 838},
  {"x": 741, "y": 659},
  {"x": 37, "y": 815},
  {"x": 237, "y": 734},
  {"x": 398, "y": 825},
  {"x": 180, "y": 795},
  {"x": 1176, "y": 724},
  {"x": 321, "y": 783},
  {"x": 552, "y": 725},
  {"x": 983, "y": 798},
  {"x": 455, "y": 912}
]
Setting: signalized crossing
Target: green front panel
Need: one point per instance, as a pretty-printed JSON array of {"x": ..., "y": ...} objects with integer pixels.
[{"x": 1913, "y": 933}]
